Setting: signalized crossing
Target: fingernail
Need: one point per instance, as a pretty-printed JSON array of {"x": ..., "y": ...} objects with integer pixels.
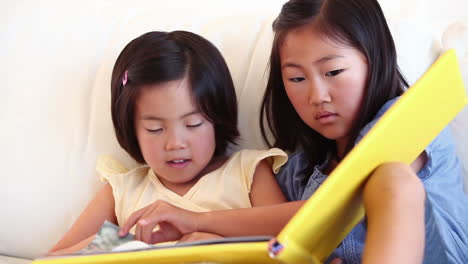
[
  {"x": 142, "y": 222},
  {"x": 121, "y": 233}
]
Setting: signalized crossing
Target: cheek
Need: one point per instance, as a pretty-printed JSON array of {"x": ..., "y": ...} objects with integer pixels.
[
  {"x": 351, "y": 96},
  {"x": 296, "y": 97},
  {"x": 149, "y": 144},
  {"x": 205, "y": 140}
]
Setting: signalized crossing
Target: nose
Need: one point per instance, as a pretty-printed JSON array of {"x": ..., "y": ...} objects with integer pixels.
[
  {"x": 175, "y": 140},
  {"x": 318, "y": 93}
]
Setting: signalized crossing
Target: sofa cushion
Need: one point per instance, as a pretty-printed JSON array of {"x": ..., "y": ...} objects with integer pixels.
[
  {"x": 55, "y": 110},
  {"x": 13, "y": 260}
]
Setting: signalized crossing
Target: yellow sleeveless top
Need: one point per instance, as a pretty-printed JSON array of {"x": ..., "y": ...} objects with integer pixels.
[{"x": 227, "y": 187}]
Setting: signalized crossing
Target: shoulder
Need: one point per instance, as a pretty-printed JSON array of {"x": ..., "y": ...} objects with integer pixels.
[
  {"x": 107, "y": 165},
  {"x": 297, "y": 161},
  {"x": 113, "y": 172},
  {"x": 274, "y": 158},
  {"x": 260, "y": 152},
  {"x": 441, "y": 157},
  {"x": 446, "y": 201},
  {"x": 441, "y": 153},
  {"x": 292, "y": 176},
  {"x": 376, "y": 118}
]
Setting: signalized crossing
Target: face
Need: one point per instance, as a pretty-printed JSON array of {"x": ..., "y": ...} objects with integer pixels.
[
  {"x": 325, "y": 82},
  {"x": 176, "y": 141}
]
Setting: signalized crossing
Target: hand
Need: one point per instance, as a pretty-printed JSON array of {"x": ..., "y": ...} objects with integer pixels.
[
  {"x": 173, "y": 222},
  {"x": 199, "y": 236},
  {"x": 336, "y": 261}
]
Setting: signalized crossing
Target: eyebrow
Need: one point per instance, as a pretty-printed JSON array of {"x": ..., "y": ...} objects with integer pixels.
[
  {"x": 156, "y": 118},
  {"x": 319, "y": 61}
]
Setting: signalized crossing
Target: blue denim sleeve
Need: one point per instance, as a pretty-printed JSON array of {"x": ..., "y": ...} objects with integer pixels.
[
  {"x": 291, "y": 176},
  {"x": 446, "y": 203},
  {"x": 446, "y": 208}
]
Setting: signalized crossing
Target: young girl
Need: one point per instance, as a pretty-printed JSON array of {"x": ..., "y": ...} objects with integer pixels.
[
  {"x": 174, "y": 110},
  {"x": 333, "y": 73}
]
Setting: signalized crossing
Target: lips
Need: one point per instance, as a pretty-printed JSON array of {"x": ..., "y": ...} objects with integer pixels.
[
  {"x": 324, "y": 114},
  {"x": 178, "y": 164},
  {"x": 177, "y": 161}
]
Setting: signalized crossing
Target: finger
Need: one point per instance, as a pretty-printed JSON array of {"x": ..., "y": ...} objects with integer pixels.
[
  {"x": 131, "y": 221},
  {"x": 336, "y": 261},
  {"x": 170, "y": 231},
  {"x": 184, "y": 238},
  {"x": 137, "y": 232},
  {"x": 140, "y": 221},
  {"x": 172, "y": 215},
  {"x": 166, "y": 232},
  {"x": 159, "y": 237},
  {"x": 147, "y": 226}
]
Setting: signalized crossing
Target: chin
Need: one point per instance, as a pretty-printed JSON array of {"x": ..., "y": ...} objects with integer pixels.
[{"x": 332, "y": 135}]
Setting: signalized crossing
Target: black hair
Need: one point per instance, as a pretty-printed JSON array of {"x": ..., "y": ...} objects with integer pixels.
[
  {"x": 159, "y": 57},
  {"x": 359, "y": 24}
]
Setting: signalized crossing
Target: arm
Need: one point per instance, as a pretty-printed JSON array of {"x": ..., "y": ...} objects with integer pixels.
[
  {"x": 262, "y": 220},
  {"x": 394, "y": 202},
  {"x": 82, "y": 244},
  {"x": 175, "y": 222},
  {"x": 88, "y": 223},
  {"x": 265, "y": 190},
  {"x": 267, "y": 220},
  {"x": 196, "y": 236},
  {"x": 419, "y": 163},
  {"x": 389, "y": 194},
  {"x": 402, "y": 204},
  {"x": 267, "y": 217}
]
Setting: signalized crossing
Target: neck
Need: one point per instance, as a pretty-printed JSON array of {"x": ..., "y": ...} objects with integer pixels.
[
  {"x": 179, "y": 188},
  {"x": 214, "y": 164},
  {"x": 341, "y": 148},
  {"x": 182, "y": 188}
]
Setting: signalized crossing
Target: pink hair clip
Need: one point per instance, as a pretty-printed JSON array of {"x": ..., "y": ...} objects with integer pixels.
[{"x": 125, "y": 78}]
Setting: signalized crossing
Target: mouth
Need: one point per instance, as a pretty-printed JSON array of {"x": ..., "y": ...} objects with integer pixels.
[
  {"x": 325, "y": 117},
  {"x": 324, "y": 114},
  {"x": 178, "y": 161}
]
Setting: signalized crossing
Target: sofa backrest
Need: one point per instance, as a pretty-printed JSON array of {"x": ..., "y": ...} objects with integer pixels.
[{"x": 55, "y": 110}]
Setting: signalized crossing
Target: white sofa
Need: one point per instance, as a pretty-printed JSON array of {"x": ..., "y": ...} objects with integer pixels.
[{"x": 55, "y": 117}]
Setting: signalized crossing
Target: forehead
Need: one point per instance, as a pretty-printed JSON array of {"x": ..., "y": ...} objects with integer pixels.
[
  {"x": 307, "y": 38},
  {"x": 168, "y": 98},
  {"x": 308, "y": 44}
]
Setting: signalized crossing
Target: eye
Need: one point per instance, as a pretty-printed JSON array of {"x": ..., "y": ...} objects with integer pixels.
[
  {"x": 154, "y": 130},
  {"x": 296, "y": 79},
  {"x": 334, "y": 73},
  {"x": 194, "y": 125}
]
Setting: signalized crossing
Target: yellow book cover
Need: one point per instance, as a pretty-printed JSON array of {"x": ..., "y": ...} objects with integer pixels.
[{"x": 321, "y": 224}]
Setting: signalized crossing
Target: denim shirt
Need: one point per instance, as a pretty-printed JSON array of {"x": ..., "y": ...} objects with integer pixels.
[{"x": 446, "y": 206}]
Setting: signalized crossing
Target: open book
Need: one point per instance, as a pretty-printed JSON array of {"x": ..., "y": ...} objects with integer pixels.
[{"x": 335, "y": 208}]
